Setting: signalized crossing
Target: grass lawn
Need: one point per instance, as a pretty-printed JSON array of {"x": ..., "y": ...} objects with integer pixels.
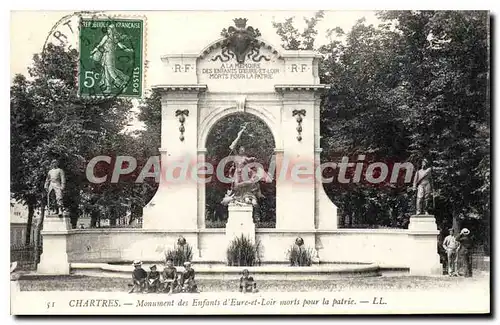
[{"x": 80, "y": 283}]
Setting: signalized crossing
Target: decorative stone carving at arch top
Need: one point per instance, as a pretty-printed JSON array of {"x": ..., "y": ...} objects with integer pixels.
[
  {"x": 240, "y": 103},
  {"x": 240, "y": 42}
]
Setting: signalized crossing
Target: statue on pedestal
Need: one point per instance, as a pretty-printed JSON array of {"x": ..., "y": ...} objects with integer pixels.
[
  {"x": 422, "y": 183},
  {"x": 55, "y": 182},
  {"x": 245, "y": 188}
]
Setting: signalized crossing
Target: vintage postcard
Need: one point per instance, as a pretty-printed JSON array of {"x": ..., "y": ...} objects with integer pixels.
[{"x": 250, "y": 162}]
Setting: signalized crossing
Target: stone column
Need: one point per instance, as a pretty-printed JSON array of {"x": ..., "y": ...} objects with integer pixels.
[
  {"x": 295, "y": 202},
  {"x": 54, "y": 259},
  {"x": 280, "y": 175},
  {"x": 175, "y": 205},
  {"x": 326, "y": 211},
  {"x": 201, "y": 190},
  {"x": 422, "y": 246}
]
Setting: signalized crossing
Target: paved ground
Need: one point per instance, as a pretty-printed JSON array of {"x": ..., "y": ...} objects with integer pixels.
[{"x": 84, "y": 283}]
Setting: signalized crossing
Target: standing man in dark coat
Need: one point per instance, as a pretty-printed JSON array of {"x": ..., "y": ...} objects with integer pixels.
[{"x": 466, "y": 245}]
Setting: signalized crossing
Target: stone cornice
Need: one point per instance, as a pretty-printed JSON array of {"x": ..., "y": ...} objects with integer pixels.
[
  {"x": 319, "y": 87},
  {"x": 189, "y": 88},
  {"x": 301, "y": 54},
  {"x": 179, "y": 56}
]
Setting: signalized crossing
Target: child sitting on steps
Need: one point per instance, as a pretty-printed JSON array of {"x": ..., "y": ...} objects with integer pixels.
[
  {"x": 247, "y": 283},
  {"x": 187, "y": 279},
  {"x": 169, "y": 282},
  {"x": 153, "y": 279},
  {"x": 138, "y": 278}
]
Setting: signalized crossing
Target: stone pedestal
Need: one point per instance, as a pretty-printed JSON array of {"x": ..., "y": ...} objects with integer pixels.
[
  {"x": 422, "y": 222},
  {"x": 424, "y": 259},
  {"x": 54, "y": 259},
  {"x": 240, "y": 222}
]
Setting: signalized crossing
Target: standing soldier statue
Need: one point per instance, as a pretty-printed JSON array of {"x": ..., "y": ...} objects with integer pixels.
[
  {"x": 422, "y": 182},
  {"x": 55, "y": 181}
]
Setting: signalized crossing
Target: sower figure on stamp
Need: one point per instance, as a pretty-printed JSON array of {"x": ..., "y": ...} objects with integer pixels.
[
  {"x": 55, "y": 182},
  {"x": 422, "y": 182},
  {"x": 105, "y": 54}
]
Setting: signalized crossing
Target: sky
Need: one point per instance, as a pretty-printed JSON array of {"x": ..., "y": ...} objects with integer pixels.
[{"x": 170, "y": 32}]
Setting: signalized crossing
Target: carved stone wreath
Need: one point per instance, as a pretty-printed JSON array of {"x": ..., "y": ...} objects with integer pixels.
[{"x": 240, "y": 42}]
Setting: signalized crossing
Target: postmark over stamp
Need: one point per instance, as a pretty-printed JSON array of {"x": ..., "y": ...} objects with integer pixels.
[{"x": 111, "y": 57}]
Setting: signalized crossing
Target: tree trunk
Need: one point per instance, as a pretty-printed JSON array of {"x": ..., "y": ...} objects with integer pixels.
[
  {"x": 136, "y": 213},
  {"x": 94, "y": 215},
  {"x": 456, "y": 224},
  {"x": 73, "y": 216},
  {"x": 31, "y": 212}
]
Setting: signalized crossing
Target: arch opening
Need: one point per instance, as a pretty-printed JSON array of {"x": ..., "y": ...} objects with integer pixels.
[{"x": 258, "y": 142}]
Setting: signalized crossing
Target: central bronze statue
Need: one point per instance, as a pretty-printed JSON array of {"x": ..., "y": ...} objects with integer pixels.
[{"x": 245, "y": 187}]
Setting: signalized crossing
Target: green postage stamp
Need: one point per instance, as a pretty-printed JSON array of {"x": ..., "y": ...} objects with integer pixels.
[{"x": 111, "y": 57}]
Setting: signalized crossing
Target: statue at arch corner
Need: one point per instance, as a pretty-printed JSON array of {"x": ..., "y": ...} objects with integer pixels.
[
  {"x": 55, "y": 182},
  {"x": 422, "y": 183}
]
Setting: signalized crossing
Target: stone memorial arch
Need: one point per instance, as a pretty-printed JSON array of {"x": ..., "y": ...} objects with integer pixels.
[{"x": 241, "y": 73}]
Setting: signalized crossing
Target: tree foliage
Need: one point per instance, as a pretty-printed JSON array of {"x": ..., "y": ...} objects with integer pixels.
[
  {"x": 292, "y": 39},
  {"x": 414, "y": 86},
  {"x": 50, "y": 121}
]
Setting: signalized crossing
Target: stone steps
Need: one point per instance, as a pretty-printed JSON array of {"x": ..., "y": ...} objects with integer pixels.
[{"x": 222, "y": 272}]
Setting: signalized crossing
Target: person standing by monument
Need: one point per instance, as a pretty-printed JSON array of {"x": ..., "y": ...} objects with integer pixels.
[
  {"x": 465, "y": 252},
  {"x": 55, "y": 182},
  {"x": 451, "y": 246},
  {"x": 422, "y": 183}
]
